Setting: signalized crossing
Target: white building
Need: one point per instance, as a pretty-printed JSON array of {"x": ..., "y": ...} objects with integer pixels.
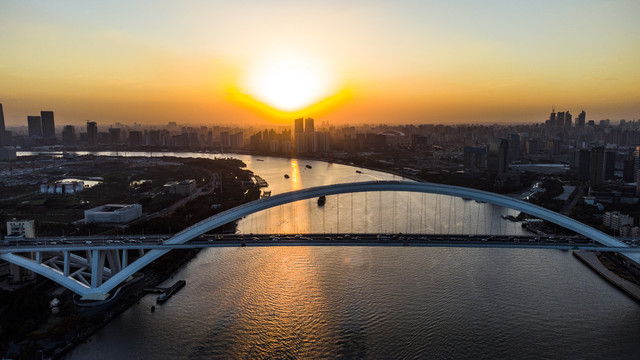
[
  {"x": 184, "y": 187},
  {"x": 113, "y": 213},
  {"x": 615, "y": 220},
  {"x": 62, "y": 187},
  {"x": 21, "y": 229}
]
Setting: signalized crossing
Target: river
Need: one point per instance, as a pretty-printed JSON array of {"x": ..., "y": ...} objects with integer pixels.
[{"x": 375, "y": 302}]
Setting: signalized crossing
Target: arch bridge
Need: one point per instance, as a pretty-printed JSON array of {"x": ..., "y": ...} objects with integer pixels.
[{"x": 95, "y": 275}]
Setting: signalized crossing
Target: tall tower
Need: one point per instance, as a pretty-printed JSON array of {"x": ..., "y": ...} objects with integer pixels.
[
  {"x": 299, "y": 135},
  {"x": 92, "y": 132},
  {"x": 567, "y": 119},
  {"x": 2, "y": 128},
  {"x": 497, "y": 161},
  {"x": 308, "y": 125},
  {"x": 581, "y": 120},
  {"x": 596, "y": 166},
  {"x": 48, "y": 125},
  {"x": 35, "y": 126},
  {"x": 560, "y": 119}
]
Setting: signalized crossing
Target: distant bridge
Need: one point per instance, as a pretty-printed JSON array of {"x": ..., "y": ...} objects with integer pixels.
[{"x": 105, "y": 266}]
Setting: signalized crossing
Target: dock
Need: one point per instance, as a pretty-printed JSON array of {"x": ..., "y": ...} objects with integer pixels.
[{"x": 166, "y": 293}]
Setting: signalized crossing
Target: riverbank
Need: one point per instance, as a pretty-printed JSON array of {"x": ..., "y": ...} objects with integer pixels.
[
  {"x": 127, "y": 299},
  {"x": 591, "y": 260}
]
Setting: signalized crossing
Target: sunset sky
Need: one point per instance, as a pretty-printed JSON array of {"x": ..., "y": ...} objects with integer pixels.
[{"x": 243, "y": 62}]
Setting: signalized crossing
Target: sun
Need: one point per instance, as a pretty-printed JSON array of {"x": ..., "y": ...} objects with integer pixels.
[{"x": 289, "y": 82}]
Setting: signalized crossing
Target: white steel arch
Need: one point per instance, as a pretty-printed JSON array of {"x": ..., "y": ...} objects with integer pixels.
[{"x": 238, "y": 212}]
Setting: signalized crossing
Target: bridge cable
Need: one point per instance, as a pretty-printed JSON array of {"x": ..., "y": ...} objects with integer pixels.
[
  {"x": 393, "y": 226},
  {"x": 408, "y": 214},
  {"x": 366, "y": 219},
  {"x": 337, "y": 213},
  {"x": 351, "y": 213},
  {"x": 380, "y": 212},
  {"x": 464, "y": 214},
  {"x": 421, "y": 213},
  {"x": 478, "y": 217}
]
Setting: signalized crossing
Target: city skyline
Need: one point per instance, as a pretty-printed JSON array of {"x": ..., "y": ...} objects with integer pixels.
[{"x": 408, "y": 62}]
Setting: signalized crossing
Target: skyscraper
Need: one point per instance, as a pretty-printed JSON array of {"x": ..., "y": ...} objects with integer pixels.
[
  {"x": 92, "y": 132},
  {"x": 35, "y": 126},
  {"x": 48, "y": 125},
  {"x": 560, "y": 119},
  {"x": 2, "y": 128},
  {"x": 301, "y": 145},
  {"x": 497, "y": 157},
  {"x": 308, "y": 125},
  {"x": 581, "y": 120},
  {"x": 298, "y": 126},
  {"x": 596, "y": 166},
  {"x": 609, "y": 165},
  {"x": 69, "y": 135},
  {"x": 514, "y": 147},
  {"x": 567, "y": 119}
]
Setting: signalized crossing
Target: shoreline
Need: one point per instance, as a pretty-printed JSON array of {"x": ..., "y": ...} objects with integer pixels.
[
  {"x": 116, "y": 310},
  {"x": 591, "y": 260}
]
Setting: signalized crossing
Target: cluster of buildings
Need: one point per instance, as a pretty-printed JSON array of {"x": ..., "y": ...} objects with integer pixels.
[{"x": 621, "y": 224}]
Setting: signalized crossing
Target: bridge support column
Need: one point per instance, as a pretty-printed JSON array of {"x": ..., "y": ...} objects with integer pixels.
[
  {"x": 97, "y": 267},
  {"x": 113, "y": 256},
  {"x": 67, "y": 264},
  {"x": 125, "y": 258},
  {"x": 39, "y": 257}
]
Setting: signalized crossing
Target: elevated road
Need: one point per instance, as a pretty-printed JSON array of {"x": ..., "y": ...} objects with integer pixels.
[{"x": 148, "y": 242}]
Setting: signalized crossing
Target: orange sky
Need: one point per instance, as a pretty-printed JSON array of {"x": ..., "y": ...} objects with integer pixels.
[{"x": 152, "y": 62}]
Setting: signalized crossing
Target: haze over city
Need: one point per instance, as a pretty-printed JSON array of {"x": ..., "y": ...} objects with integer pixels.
[{"x": 247, "y": 63}]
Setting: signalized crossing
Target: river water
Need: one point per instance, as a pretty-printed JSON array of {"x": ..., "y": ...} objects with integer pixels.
[{"x": 375, "y": 302}]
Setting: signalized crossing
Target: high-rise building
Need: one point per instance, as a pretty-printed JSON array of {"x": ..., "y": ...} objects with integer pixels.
[
  {"x": 584, "y": 160},
  {"x": 514, "y": 147},
  {"x": 48, "y": 125},
  {"x": 2, "y": 128},
  {"x": 567, "y": 119},
  {"x": 308, "y": 125},
  {"x": 497, "y": 157},
  {"x": 35, "y": 126},
  {"x": 560, "y": 119},
  {"x": 236, "y": 141},
  {"x": 299, "y": 138},
  {"x": 114, "y": 135},
  {"x": 92, "y": 132},
  {"x": 627, "y": 170},
  {"x": 609, "y": 164},
  {"x": 225, "y": 139},
  {"x": 475, "y": 158},
  {"x": 298, "y": 125},
  {"x": 135, "y": 138},
  {"x": 69, "y": 135},
  {"x": 596, "y": 166},
  {"x": 580, "y": 121}
]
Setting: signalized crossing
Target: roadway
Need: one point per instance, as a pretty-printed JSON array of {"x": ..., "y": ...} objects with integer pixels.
[{"x": 157, "y": 241}]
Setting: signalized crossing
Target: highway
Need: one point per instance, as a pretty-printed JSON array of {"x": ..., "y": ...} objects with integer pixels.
[{"x": 157, "y": 241}]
